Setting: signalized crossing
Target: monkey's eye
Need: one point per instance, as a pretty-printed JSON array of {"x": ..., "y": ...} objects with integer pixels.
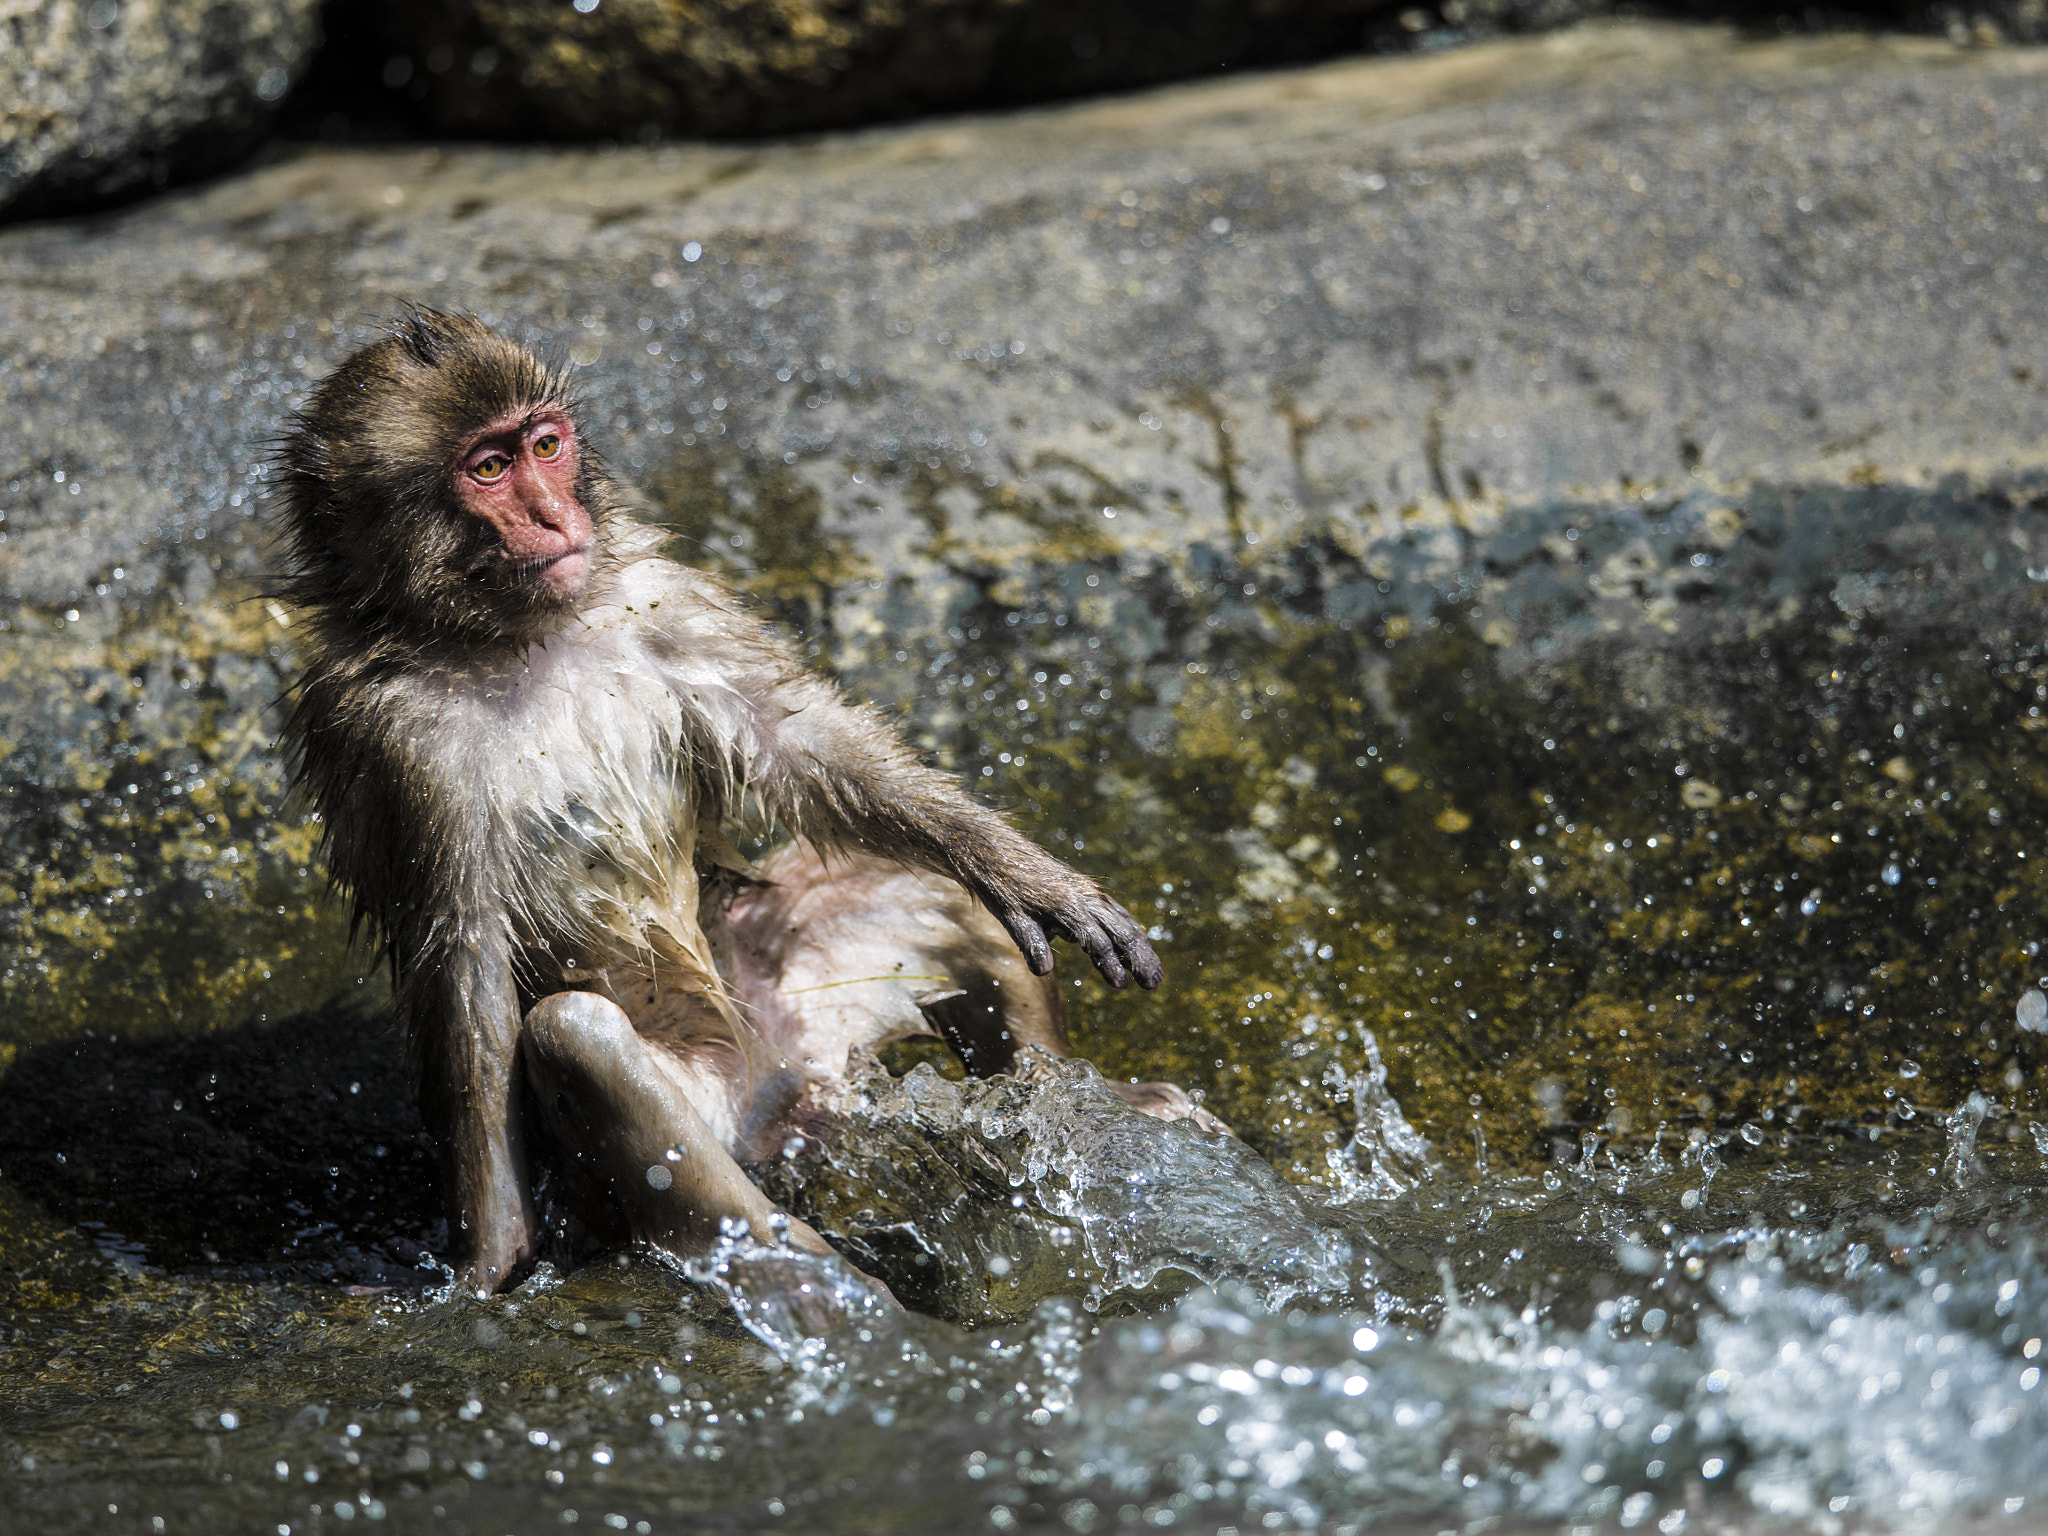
[
  {"x": 546, "y": 446},
  {"x": 491, "y": 466}
]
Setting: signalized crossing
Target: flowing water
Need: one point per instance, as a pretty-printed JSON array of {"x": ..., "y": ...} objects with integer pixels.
[{"x": 1632, "y": 1031}]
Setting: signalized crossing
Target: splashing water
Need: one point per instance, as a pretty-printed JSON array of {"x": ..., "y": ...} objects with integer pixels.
[
  {"x": 1799, "y": 1398},
  {"x": 793, "y": 1302},
  {"x": 1386, "y": 1154},
  {"x": 1960, "y": 1165},
  {"x": 1043, "y": 1181}
]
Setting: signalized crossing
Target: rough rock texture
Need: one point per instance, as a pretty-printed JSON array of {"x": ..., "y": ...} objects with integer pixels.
[
  {"x": 100, "y": 99},
  {"x": 1364, "y": 294}
]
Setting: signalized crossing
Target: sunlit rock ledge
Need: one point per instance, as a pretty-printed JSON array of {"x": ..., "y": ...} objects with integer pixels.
[{"x": 1599, "y": 264}]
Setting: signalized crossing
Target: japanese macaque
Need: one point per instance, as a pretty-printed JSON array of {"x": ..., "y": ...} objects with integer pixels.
[{"x": 525, "y": 730}]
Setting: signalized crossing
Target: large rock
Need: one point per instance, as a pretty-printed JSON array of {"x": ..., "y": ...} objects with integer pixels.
[
  {"x": 1366, "y": 295},
  {"x": 1381, "y": 396},
  {"x": 642, "y": 67},
  {"x": 101, "y": 99},
  {"x": 630, "y": 69}
]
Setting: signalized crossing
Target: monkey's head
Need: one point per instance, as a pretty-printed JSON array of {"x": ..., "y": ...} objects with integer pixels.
[{"x": 437, "y": 481}]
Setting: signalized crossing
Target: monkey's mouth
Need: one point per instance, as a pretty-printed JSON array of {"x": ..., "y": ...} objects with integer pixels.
[
  {"x": 549, "y": 580},
  {"x": 564, "y": 571}
]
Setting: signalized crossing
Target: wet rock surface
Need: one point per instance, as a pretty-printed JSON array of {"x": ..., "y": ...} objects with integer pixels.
[
  {"x": 1393, "y": 328},
  {"x": 103, "y": 100}
]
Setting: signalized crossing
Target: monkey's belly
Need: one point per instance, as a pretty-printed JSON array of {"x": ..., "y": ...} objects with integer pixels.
[
  {"x": 832, "y": 956},
  {"x": 825, "y": 958}
]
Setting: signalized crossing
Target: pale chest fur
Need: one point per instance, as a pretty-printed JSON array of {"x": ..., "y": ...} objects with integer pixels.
[{"x": 573, "y": 766}]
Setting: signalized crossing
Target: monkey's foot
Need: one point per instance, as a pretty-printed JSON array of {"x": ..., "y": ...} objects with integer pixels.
[
  {"x": 1167, "y": 1101},
  {"x": 501, "y": 1256}
]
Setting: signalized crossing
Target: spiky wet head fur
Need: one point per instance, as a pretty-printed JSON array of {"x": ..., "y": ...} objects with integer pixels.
[{"x": 373, "y": 537}]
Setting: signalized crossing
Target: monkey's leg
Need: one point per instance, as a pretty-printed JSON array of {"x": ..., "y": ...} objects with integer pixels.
[
  {"x": 850, "y": 951},
  {"x": 619, "y": 1118}
]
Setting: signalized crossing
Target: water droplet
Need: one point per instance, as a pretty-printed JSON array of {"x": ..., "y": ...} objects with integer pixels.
[
  {"x": 658, "y": 1177},
  {"x": 2033, "y": 1011}
]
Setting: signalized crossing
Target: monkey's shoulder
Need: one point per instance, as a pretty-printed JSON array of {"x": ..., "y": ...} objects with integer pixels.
[{"x": 669, "y": 605}]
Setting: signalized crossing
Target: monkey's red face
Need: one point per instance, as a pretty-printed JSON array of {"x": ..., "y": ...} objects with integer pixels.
[{"x": 519, "y": 476}]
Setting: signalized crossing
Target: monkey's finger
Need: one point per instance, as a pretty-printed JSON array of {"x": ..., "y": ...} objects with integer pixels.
[
  {"x": 1029, "y": 938},
  {"x": 1144, "y": 963},
  {"x": 1135, "y": 949},
  {"x": 1097, "y": 943}
]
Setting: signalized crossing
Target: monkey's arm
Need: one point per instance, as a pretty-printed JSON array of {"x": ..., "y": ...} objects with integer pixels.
[
  {"x": 404, "y": 841},
  {"x": 460, "y": 1012},
  {"x": 839, "y": 774}
]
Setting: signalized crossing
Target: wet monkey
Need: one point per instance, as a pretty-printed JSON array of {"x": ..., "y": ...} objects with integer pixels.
[{"x": 525, "y": 729}]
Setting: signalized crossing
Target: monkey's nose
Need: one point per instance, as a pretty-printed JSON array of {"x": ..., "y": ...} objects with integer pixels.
[{"x": 552, "y": 510}]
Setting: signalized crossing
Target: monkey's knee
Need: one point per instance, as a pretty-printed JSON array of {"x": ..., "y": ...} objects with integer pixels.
[
  {"x": 573, "y": 1031},
  {"x": 572, "y": 1043},
  {"x": 629, "y": 1132},
  {"x": 1167, "y": 1101},
  {"x": 583, "y": 1059}
]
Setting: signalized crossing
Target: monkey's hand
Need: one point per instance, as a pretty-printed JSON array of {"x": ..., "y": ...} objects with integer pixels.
[{"x": 1107, "y": 934}]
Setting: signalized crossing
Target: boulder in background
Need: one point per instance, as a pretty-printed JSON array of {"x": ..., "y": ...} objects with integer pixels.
[
  {"x": 621, "y": 68},
  {"x": 626, "y": 69},
  {"x": 106, "y": 99}
]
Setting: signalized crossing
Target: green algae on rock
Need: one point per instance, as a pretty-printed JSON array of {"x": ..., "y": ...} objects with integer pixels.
[
  {"x": 152, "y": 878},
  {"x": 1686, "y": 859}
]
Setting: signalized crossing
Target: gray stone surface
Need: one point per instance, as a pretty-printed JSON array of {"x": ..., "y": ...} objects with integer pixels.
[
  {"x": 105, "y": 98},
  {"x": 1384, "y": 299}
]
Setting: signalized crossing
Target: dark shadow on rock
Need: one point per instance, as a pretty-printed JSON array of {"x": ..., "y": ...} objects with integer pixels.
[
  {"x": 521, "y": 71},
  {"x": 288, "y": 1150}
]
